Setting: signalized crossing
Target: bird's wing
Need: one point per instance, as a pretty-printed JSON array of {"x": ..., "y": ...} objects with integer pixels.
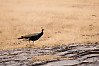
[{"x": 30, "y": 35}]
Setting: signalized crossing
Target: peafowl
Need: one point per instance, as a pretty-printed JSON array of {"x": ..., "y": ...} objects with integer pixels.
[{"x": 32, "y": 37}]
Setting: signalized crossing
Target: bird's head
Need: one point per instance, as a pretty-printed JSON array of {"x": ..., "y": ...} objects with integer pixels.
[{"x": 42, "y": 28}]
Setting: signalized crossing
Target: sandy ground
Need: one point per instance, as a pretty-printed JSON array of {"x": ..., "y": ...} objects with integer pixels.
[{"x": 65, "y": 22}]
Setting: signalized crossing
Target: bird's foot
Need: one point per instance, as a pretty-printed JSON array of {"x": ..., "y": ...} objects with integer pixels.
[{"x": 30, "y": 45}]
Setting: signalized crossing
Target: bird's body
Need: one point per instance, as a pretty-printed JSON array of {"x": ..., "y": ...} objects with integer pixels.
[{"x": 32, "y": 37}]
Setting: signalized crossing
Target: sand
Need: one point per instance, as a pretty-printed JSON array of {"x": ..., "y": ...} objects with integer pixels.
[{"x": 65, "y": 22}]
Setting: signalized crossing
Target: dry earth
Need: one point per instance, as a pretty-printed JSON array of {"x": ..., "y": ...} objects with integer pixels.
[{"x": 65, "y": 22}]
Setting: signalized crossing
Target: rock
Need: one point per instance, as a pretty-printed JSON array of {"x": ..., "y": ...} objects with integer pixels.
[
  {"x": 23, "y": 56},
  {"x": 63, "y": 63},
  {"x": 38, "y": 63}
]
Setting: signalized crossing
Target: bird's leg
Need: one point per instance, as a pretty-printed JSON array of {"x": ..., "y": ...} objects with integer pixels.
[
  {"x": 28, "y": 44},
  {"x": 29, "y": 41},
  {"x": 33, "y": 42}
]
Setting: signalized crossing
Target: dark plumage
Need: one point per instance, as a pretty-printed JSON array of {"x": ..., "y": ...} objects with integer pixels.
[{"x": 32, "y": 37}]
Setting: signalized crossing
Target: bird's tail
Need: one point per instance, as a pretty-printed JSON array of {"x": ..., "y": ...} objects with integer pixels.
[{"x": 21, "y": 37}]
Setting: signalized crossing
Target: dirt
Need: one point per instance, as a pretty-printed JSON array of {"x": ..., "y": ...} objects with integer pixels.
[
  {"x": 71, "y": 55},
  {"x": 65, "y": 22}
]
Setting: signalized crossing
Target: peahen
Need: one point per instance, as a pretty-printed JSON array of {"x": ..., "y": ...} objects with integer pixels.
[{"x": 32, "y": 37}]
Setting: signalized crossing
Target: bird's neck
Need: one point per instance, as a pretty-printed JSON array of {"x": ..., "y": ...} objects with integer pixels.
[{"x": 40, "y": 34}]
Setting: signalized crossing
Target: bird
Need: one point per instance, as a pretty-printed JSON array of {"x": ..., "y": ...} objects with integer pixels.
[{"x": 33, "y": 37}]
